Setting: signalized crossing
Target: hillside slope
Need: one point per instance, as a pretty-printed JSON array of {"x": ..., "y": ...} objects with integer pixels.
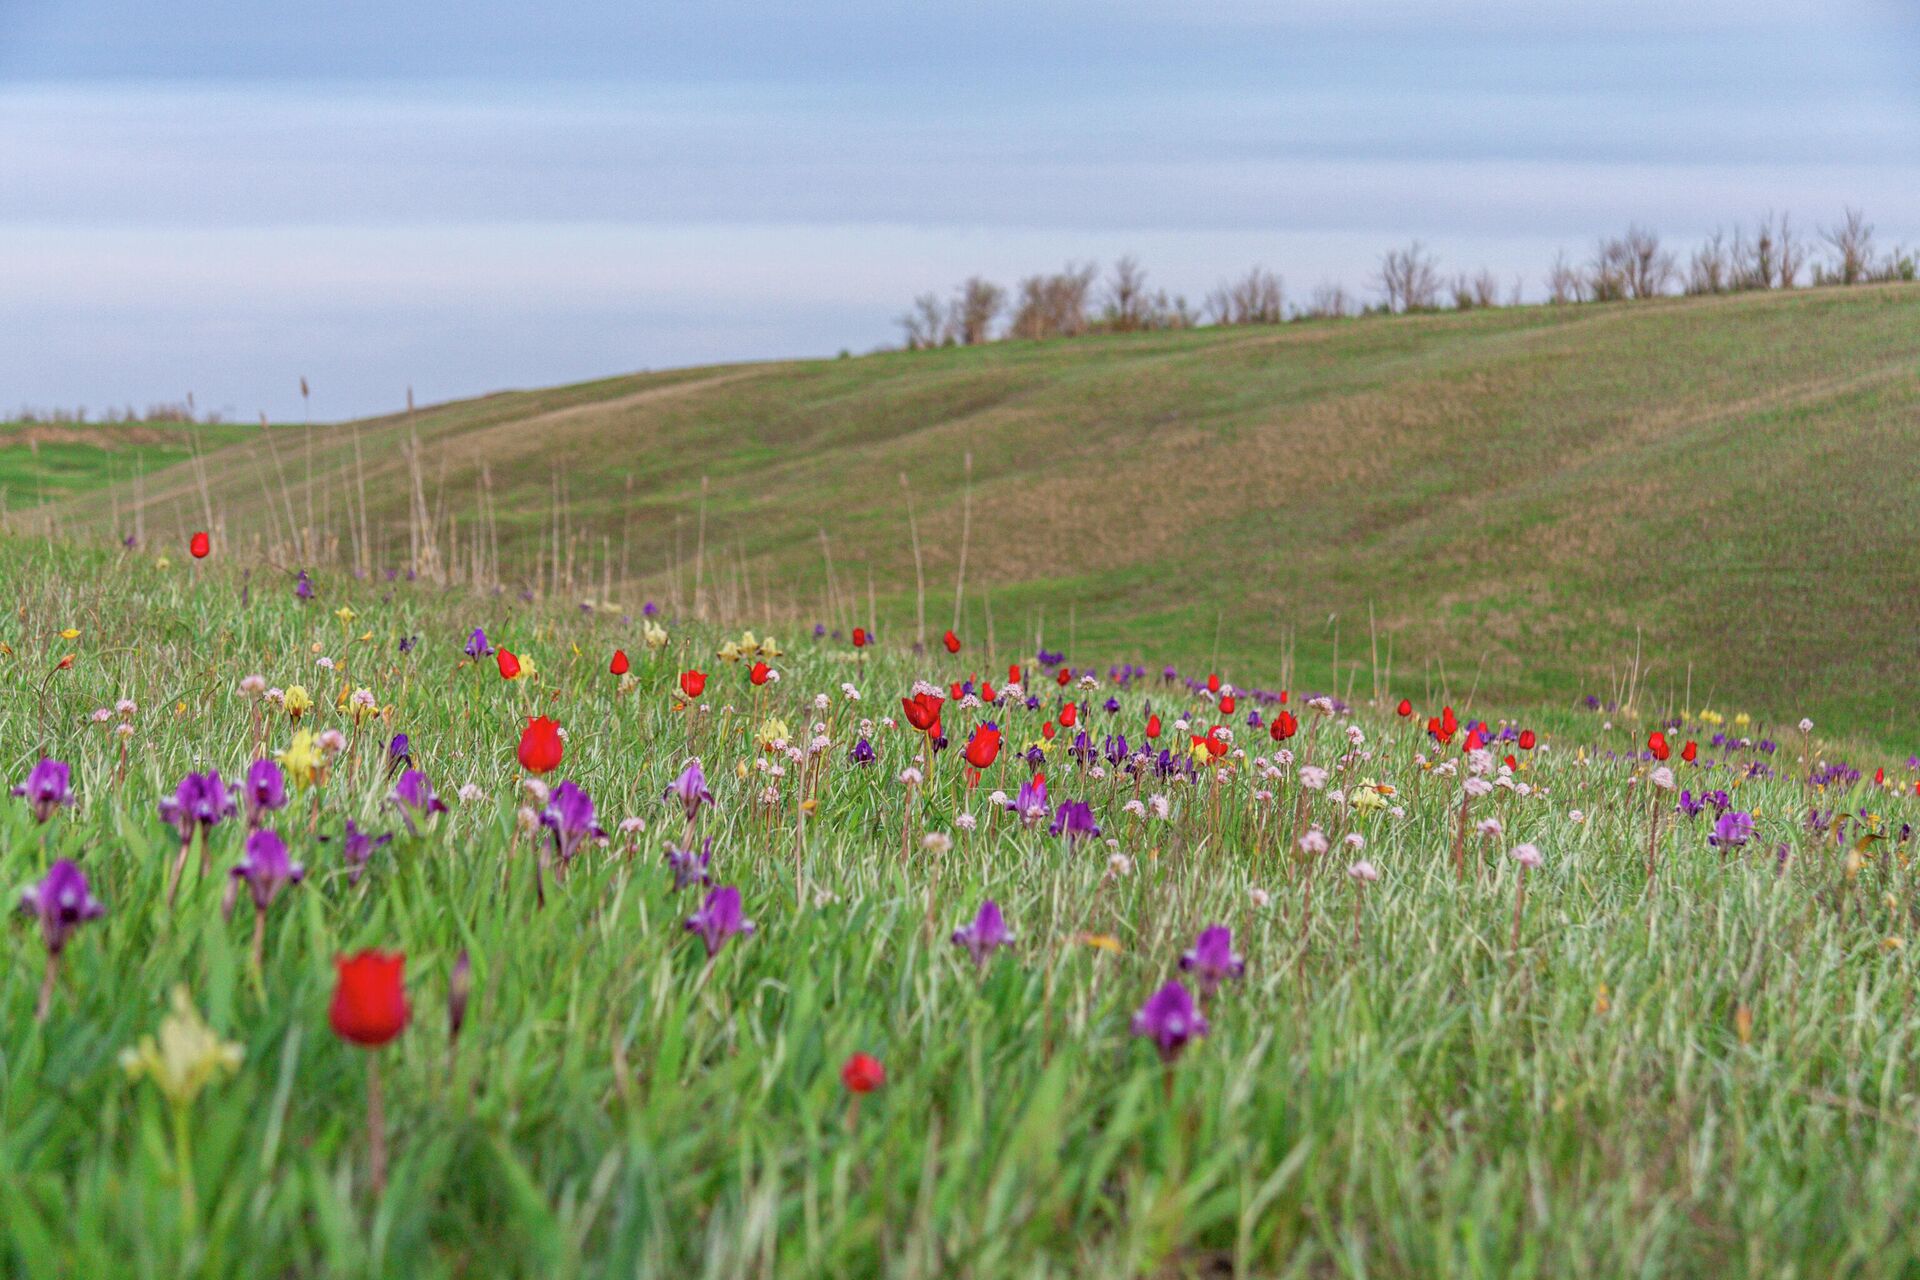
[{"x": 1521, "y": 498}]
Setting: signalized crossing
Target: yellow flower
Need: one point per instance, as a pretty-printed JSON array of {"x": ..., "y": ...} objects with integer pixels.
[
  {"x": 186, "y": 1058},
  {"x": 345, "y": 615},
  {"x": 1603, "y": 999},
  {"x": 1743, "y": 719},
  {"x": 1102, "y": 942},
  {"x": 655, "y": 635},
  {"x": 740, "y": 769},
  {"x": 301, "y": 759},
  {"x": 729, "y": 652},
  {"x": 1893, "y": 942},
  {"x": 163, "y": 563},
  {"x": 1370, "y": 795},
  {"x": 71, "y": 633},
  {"x": 770, "y": 648},
  {"x": 298, "y": 701},
  {"x": 773, "y": 730}
]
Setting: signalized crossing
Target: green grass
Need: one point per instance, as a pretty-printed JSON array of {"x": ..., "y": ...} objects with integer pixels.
[
  {"x": 1433, "y": 1097},
  {"x": 1517, "y": 502},
  {"x": 45, "y": 462}
]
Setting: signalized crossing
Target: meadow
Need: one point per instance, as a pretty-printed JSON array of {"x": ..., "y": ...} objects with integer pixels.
[
  {"x": 1582, "y": 988},
  {"x": 1707, "y": 497}
]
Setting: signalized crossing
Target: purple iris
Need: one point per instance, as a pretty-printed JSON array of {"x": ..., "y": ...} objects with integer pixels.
[
  {"x": 199, "y": 803},
  {"x": 690, "y": 789},
  {"x": 415, "y": 797},
  {"x": 1212, "y": 961},
  {"x": 1030, "y": 804},
  {"x": 987, "y": 933},
  {"x": 719, "y": 918},
  {"x": 399, "y": 752},
  {"x": 46, "y": 789},
  {"x": 569, "y": 815},
  {"x": 62, "y": 904},
  {"x": 688, "y": 867},
  {"x": 266, "y": 867},
  {"x": 1689, "y": 804},
  {"x": 266, "y": 790},
  {"x": 1731, "y": 831},
  {"x": 1112, "y": 705},
  {"x": 650, "y": 609},
  {"x": 303, "y": 587},
  {"x": 357, "y": 848},
  {"x": 1169, "y": 1019},
  {"x": 1074, "y": 820},
  {"x": 862, "y": 752},
  {"x": 477, "y": 646}
]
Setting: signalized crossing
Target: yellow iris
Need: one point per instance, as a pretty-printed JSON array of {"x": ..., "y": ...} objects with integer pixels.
[
  {"x": 187, "y": 1056},
  {"x": 299, "y": 701},
  {"x": 301, "y": 759}
]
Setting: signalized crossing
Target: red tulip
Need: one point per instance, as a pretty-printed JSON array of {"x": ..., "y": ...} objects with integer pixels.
[
  {"x": 619, "y": 666},
  {"x": 863, "y": 1073},
  {"x": 1657, "y": 744},
  {"x": 1068, "y": 714},
  {"x": 1283, "y": 697},
  {"x": 1213, "y": 684},
  {"x": 369, "y": 999},
  {"x": 1216, "y": 745},
  {"x": 1879, "y": 777},
  {"x": 759, "y": 672},
  {"x": 199, "y": 545},
  {"x": 1512, "y": 763},
  {"x": 1226, "y": 704},
  {"x": 952, "y": 642},
  {"x": 984, "y": 747},
  {"x": 1443, "y": 726},
  {"x": 1690, "y": 751},
  {"x": 986, "y": 692},
  {"x": 956, "y": 691},
  {"x": 1474, "y": 741},
  {"x": 1064, "y": 676},
  {"x": 1153, "y": 725},
  {"x": 859, "y": 637},
  {"x": 1406, "y": 707},
  {"x": 1047, "y": 731},
  {"x": 1013, "y": 674},
  {"x": 540, "y": 745},
  {"x": 1284, "y": 726},
  {"x": 923, "y": 711},
  {"x": 1527, "y": 739},
  {"x": 693, "y": 683}
]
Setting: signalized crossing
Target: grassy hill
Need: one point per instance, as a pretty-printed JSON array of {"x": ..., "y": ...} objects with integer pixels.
[{"x": 1522, "y": 500}]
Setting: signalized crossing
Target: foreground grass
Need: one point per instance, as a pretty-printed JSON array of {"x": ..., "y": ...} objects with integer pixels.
[{"x": 1712, "y": 1077}]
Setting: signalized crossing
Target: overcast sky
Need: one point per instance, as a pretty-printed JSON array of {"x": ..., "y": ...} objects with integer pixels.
[{"x": 221, "y": 196}]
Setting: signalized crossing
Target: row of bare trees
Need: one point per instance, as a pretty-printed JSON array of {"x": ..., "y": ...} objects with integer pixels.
[{"x": 1771, "y": 254}]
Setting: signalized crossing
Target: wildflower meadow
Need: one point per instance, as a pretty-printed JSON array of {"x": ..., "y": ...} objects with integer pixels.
[{"x": 368, "y": 926}]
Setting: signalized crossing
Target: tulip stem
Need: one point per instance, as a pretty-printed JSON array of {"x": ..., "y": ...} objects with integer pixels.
[{"x": 376, "y": 1127}]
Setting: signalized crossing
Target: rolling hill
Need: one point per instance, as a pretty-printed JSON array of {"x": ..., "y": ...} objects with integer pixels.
[{"x": 1521, "y": 500}]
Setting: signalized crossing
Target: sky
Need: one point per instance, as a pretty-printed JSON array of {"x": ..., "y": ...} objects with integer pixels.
[{"x": 222, "y": 197}]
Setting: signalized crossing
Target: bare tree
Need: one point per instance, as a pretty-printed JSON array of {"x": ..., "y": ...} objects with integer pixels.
[
  {"x": 1564, "y": 282},
  {"x": 1330, "y": 301},
  {"x": 1470, "y": 293},
  {"x": 974, "y": 311},
  {"x": 1128, "y": 306},
  {"x": 1709, "y": 270},
  {"x": 1852, "y": 244},
  {"x": 927, "y": 324},
  {"x": 1258, "y": 297},
  {"x": 1793, "y": 254},
  {"x": 1054, "y": 306},
  {"x": 1607, "y": 273},
  {"x": 1410, "y": 278},
  {"x": 1642, "y": 268}
]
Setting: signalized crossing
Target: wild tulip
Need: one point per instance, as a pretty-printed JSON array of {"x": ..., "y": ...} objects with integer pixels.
[
  {"x": 508, "y": 664},
  {"x": 619, "y": 666},
  {"x": 199, "y": 546},
  {"x": 1690, "y": 752},
  {"x": 923, "y": 711},
  {"x": 718, "y": 919},
  {"x": 985, "y": 934},
  {"x": 693, "y": 683},
  {"x": 1284, "y": 726},
  {"x": 1153, "y": 727},
  {"x": 758, "y": 674},
  {"x": 859, "y": 637},
  {"x": 369, "y": 1009},
  {"x": 541, "y": 747},
  {"x": 862, "y": 1073},
  {"x": 46, "y": 789},
  {"x": 1405, "y": 708},
  {"x": 1527, "y": 740},
  {"x": 952, "y": 642},
  {"x": 984, "y": 746},
  {"x": 1212, "y": 960},
  {"x": 1226, "y": 704},
  {"x": 1657, "y": 745}
]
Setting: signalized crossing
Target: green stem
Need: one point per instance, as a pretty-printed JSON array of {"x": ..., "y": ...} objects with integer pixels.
[{"x": 183, "y": 1167}]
